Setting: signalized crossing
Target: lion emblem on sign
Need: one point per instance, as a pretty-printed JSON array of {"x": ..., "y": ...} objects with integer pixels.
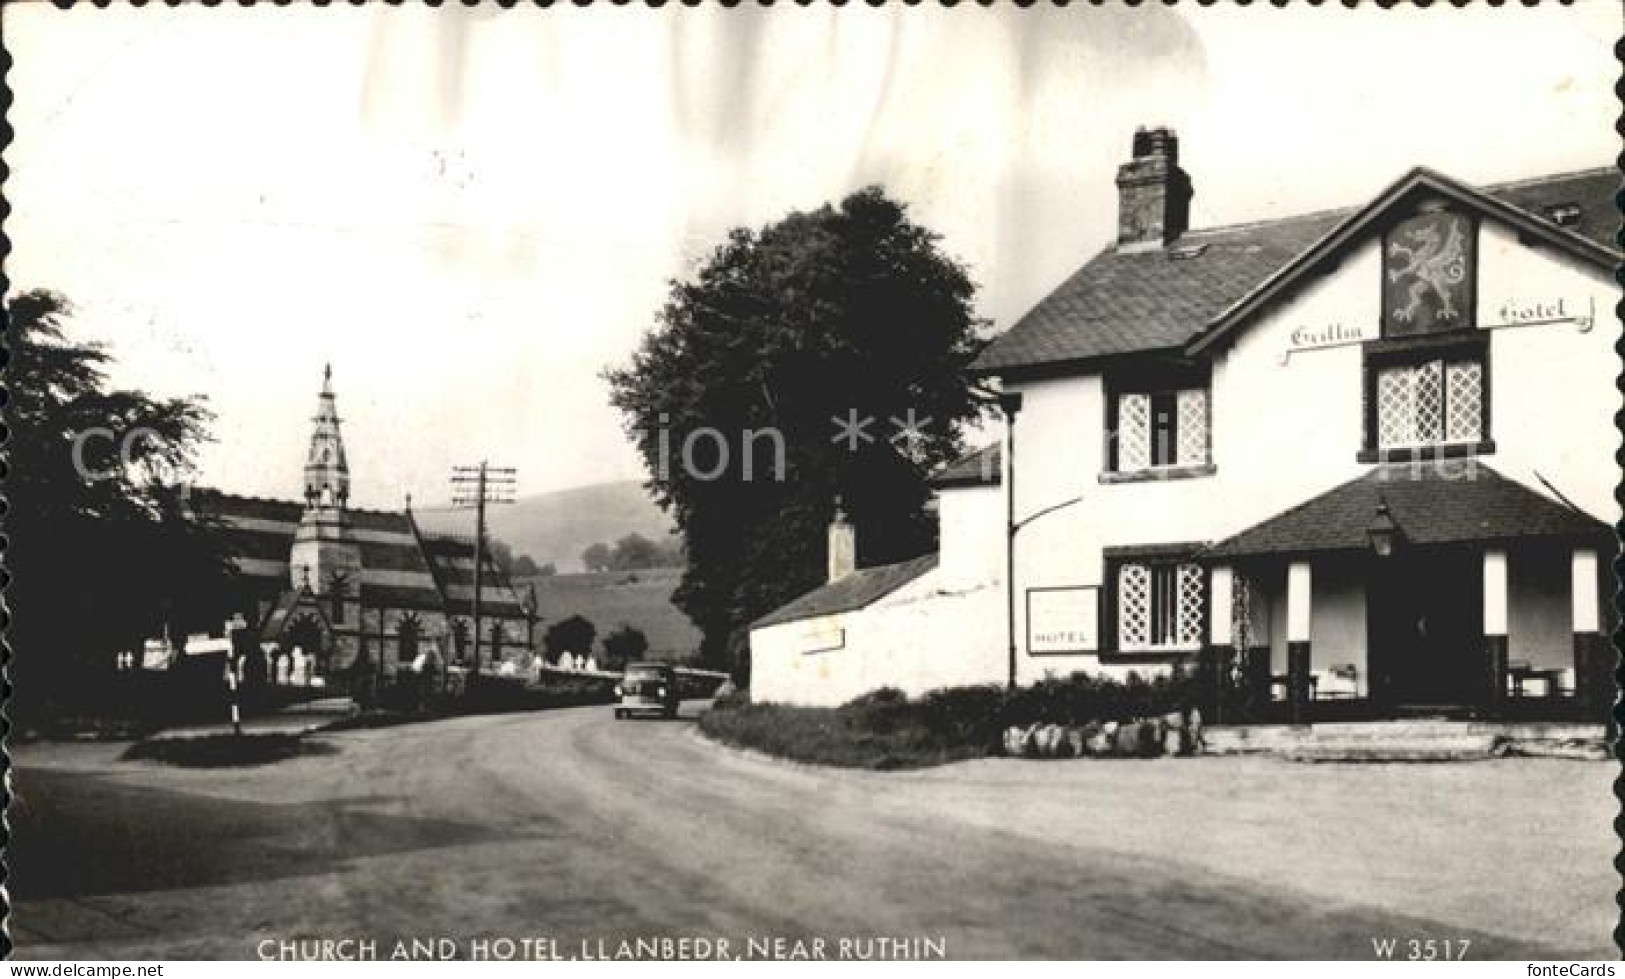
[{"x": 1427, "y": 266}]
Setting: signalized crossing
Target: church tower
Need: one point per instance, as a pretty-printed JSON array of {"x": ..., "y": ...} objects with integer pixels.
[{"x": 324, "y": 550}]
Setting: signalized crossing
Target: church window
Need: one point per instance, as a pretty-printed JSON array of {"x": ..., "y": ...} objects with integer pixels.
[
  {"x": 336, "y": 599},
  {"x": 406, "y": 640}
]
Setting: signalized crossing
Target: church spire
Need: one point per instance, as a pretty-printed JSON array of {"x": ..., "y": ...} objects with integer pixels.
[
  {"x": 325, "y": 553},
  {"x": 327, "y": 472}
]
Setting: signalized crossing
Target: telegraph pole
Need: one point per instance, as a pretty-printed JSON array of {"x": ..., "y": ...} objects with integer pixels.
[{"x": 477, "y": 486}]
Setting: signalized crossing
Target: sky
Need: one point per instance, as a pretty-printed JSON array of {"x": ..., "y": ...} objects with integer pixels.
[{"x": 472, "y": 212}]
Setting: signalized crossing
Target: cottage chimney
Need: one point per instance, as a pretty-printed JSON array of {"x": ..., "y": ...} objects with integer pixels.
[
  {"x": 1153, "y": 194},
  {"x": 843, "y": 545}
]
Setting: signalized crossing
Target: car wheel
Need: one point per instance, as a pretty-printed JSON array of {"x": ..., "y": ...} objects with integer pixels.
[{"x": 620, "y": 715}]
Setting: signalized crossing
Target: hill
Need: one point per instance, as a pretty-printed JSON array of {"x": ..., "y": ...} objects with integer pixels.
[
  {"x": 641, "y": 599},
  {"x": 558, "y": 526}
]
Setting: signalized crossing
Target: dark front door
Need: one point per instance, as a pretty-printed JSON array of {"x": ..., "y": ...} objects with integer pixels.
[{"x": 1425, "y": 629}]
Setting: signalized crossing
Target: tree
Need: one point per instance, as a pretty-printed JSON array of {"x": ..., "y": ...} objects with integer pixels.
[
  {"x": 524, "y": 566},
  {"x": 597, "y": 557},
  {"x": 501, "y": 554},
  {"x": 671, "y": 552},
  {"x": 573, "y": 635},
  {"x": 547, "y": 570},
  {"x": 102, "y": 551},
  {"x": 624, "y": 645},
  {"x": 848, "y": 312},
  {"x": 634, "y": 552}
]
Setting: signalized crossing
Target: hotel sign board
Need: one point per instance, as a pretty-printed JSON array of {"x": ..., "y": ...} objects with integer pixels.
[
  {"x": 1547, "y": 311},
  {"x": 1063, "y": 620}
]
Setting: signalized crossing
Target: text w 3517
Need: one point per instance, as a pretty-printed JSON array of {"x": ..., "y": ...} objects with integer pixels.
[{"x": 1421, "y": 949}]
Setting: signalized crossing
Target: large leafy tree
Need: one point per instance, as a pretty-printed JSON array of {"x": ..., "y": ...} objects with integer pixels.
[
  {"x": 849, "y": 313},
  {"x": 573, "y": 635},
  {"x": 100, "y": 551},
  {"x": 623, "y": 645}
]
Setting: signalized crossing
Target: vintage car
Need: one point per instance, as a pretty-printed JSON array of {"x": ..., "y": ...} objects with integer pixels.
[{"x": 647, "y": 688}]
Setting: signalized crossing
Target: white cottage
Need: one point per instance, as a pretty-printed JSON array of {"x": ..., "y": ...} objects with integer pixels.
[{"x": 1358, "y": 462}]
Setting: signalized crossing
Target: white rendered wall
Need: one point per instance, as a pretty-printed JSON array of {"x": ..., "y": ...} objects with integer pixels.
[
  {"x": 919, "y": 639},
  {"x": 971, "y": 531}
]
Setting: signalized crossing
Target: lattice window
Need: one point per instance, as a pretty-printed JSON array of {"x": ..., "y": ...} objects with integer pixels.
[
  {"x": 1133, "y": 606},
  {"x": 1396, "y": 407},
  {"x": 1159, "y": 606},
  {"x": 1162, "y": 429},
  {"x": 1188, "y": 621},
  {"x": 1464, "y": 401},
  {"x": 1430, "y": 403},
  {"x": 1133, "y": 432},
  {"x": 1192, "y": 427}
]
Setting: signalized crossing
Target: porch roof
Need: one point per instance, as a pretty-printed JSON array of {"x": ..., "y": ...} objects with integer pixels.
[{"x": 1464, "y": 502}]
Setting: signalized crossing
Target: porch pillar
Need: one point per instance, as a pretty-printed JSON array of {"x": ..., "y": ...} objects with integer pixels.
[
  {"x": 1216, "y": 662},
  {"x": 1299, "y": 583},
  {"x": 1593, "y": 656},
  {"x": 1495, "y": 625}
]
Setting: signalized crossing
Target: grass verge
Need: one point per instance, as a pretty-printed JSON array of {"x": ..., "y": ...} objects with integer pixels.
[
  {"x": 884, "y": 729},
  {"x": 881, "y": 737},
  {"x": 226, "y": 750}
]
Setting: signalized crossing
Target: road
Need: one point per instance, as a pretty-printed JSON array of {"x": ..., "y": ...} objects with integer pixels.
[{"x": 571, "y": 826}]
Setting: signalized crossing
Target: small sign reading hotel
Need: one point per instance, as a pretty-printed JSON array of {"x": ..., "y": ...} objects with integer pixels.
[{"x": 1063, "y": 620}]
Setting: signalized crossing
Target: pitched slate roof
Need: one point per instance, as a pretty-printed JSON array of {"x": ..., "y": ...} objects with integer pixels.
[
  {"x": 1458, "y": 502},
  {"x": 979, "y": 468},
  {"x": 861, "y": 588},
  {"x": 1592, "y": 191},
  {"x": 1146, "y": 300},
  {"x": 258, "y": 533},
  {"x": 451, "y": 561},
  {"x": 394, "y": 572},
  {"x": 1159, "y": 299},
  {"x": 396, "y": 569}
]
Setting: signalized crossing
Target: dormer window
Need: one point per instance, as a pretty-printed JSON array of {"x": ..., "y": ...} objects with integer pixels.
[{"x": 1158, "y": 425}]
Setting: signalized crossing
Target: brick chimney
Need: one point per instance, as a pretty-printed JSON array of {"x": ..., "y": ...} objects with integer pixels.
[
  {"x": 1153, "y": 194},
  {"x": 843, "y": 545}
]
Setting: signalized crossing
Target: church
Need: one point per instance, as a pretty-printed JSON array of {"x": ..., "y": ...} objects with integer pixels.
[{"x": 359, "y": 589}]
